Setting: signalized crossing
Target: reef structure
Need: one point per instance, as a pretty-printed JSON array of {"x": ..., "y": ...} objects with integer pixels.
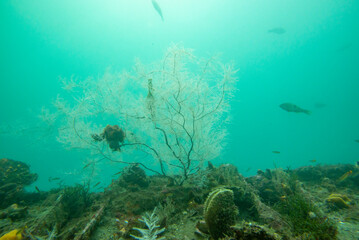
[
  {"x": 14, "y": 176},
  {"x": 220, "y": 212}
]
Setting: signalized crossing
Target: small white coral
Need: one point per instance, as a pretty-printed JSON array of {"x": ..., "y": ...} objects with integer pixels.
[{"x": 151, "y": 221}]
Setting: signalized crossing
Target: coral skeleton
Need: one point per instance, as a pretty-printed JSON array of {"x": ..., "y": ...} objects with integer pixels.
[
  {"x": 174, "y": 110},
  {"x": 152, "y": 232}
]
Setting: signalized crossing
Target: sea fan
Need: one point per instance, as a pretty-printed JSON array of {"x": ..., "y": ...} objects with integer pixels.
[{"x": 151, "y": 221}]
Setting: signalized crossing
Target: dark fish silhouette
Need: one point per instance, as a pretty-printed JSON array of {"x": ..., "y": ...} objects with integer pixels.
[
  {"x": 356, "y": 140},
  {"x": 157, "y": 8},
  {"x": 320, "y": 105},
  {"x": 53, "y": 179},
  {"x": 344, "y": 47},
  {"x": 277, "y": 30},
  {"x": 290, "y": 107}
]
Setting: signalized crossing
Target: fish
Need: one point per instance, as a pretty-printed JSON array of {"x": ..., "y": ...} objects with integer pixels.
[
  {"x": 87, "y": 165},
  {"x": 276, "y": 152},
  {"x": 290, "y": 107},
  {"x": 356, "y": 140},
  {"x": 283, "y": 198},
  {"x": 320, "y": 105},
  {"x": 277, "y": 30},
  {"x": 344, "y": 47},
  {"x": 268, "y": 190},
  {"x": 157, "y": 8},
  {"x": 210, "y": 165},
  {"x": 96, "y": 184},
  {"x": 313, "y": 160},
  {"x": 53, "y": 179},
  {"x": 169, "y": 194},
  {"x": 37, "y": 189},
  {"x": 345, "y": 176}
]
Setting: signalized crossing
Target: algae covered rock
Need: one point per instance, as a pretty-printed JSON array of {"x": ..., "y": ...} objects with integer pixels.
[
  {"x": 14, "y": 176},
  {"x": 14, "y": 212},
  {"x": 220, "y": 212},
  {"x": 133, "y": 177},
  {"x": 250, "y": 231}
]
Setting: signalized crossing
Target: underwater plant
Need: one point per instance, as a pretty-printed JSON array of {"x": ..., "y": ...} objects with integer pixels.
[
  {"x": 175, "y": 111},
  {"x": 305, "y": 219},
  {"x": 75, "y": 200},
  {"x": 152, "y": 230}
]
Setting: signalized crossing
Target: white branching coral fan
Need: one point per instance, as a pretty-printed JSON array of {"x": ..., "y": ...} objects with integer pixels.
[{"x": 174, "y": 111}]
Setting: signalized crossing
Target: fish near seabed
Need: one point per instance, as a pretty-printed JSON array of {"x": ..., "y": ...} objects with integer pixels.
[
  {"x": 290, "y": 107},
  {"x": 345, "y": 176},
  {"x": 157, "y": 8}
]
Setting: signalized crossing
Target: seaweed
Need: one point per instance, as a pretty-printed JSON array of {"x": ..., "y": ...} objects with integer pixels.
[
  {"x": 304, "y": 218},
  {"x": 152, "y": 232},
  {"x": 75, "y": 200}
]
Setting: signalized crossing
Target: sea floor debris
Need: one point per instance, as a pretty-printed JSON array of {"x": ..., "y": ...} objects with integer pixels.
[{"x": 305, "y": 203}]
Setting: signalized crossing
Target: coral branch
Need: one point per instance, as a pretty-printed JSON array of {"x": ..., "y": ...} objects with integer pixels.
[{"x": 86, "y": 232}]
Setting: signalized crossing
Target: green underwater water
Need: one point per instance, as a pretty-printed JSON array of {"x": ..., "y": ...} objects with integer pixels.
[{"x": 312, "y": 62}]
